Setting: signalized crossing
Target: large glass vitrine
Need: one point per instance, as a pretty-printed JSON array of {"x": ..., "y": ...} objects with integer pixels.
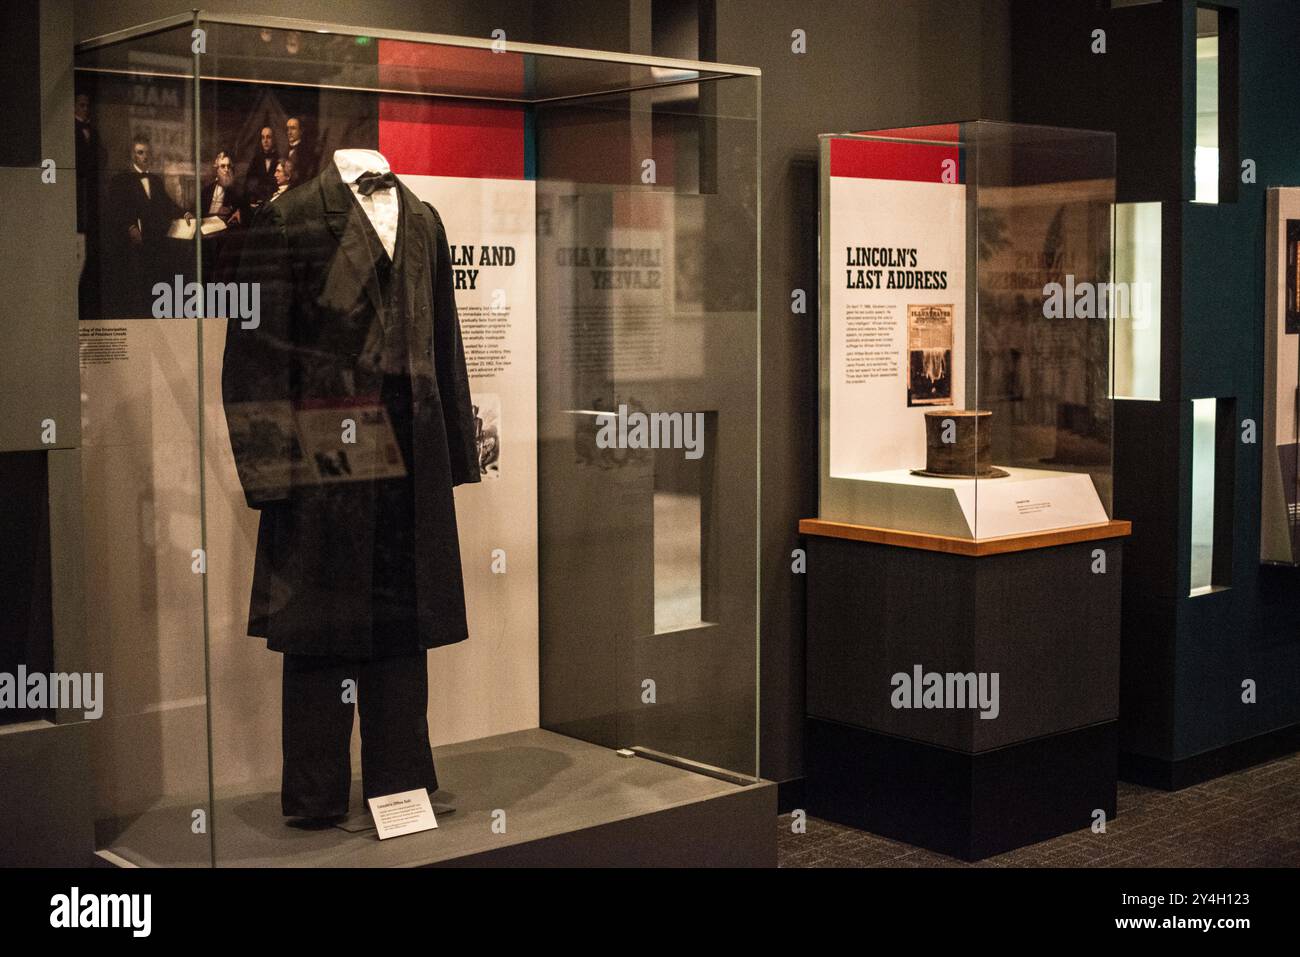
[
  {"x": 966, "y": 328},
  {"x": 601, "y": 221}
]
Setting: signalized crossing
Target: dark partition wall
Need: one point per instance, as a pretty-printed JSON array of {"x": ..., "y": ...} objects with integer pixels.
[
  {"x": 43, "y": 804},
  {"x": 26, "y": 625},
  {"x": 20, "y": 81},
  {"x": 1190, "y": 647}
]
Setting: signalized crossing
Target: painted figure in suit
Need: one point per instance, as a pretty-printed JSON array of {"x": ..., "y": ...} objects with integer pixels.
[
  {"x": 259, "y": 180},
  {"x": 284, "y": 179},
  {"x": 221, "y": 196},
  {"x": 139, "y": 212},
  {"x": 302, "y": 155}
]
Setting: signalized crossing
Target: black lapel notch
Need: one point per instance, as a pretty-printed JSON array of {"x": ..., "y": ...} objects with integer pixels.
[{"x": 345, "y": 218}]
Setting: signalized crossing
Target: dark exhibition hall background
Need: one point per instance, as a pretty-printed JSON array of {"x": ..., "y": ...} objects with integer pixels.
[{"x": 880, "y": 64}]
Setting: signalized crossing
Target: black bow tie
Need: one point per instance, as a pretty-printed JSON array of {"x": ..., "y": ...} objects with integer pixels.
[{"x": 367, "y": 183}]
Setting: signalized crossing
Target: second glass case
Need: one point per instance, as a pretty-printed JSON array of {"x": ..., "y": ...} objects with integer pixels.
[{"x": 966, "y": 306}]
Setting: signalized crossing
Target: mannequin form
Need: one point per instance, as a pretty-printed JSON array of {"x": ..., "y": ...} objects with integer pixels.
[{"x": 380, "y": 206}]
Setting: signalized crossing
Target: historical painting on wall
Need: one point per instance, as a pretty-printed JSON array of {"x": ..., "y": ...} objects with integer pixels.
[
  {"x": 139, "y": 202},
  {"x": 135, "y": 175}
]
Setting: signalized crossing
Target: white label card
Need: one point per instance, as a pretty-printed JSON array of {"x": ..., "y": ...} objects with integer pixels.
[{"x": 406, "y": 813}]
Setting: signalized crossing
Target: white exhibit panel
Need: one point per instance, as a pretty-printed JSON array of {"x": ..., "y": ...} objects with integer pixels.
[
  {"x": 883, "y": 231},
  {"x": 1025, "y": 500}
]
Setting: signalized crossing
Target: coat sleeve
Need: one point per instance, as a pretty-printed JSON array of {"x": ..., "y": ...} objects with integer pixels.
[
  {"x": 449, "y": 365},
  {"x": 257, "y": 368}
]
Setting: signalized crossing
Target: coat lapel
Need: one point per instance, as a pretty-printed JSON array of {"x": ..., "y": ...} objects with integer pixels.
[
  {"x": 414, "y": 254},
  {"x": 346, "y": 220}
]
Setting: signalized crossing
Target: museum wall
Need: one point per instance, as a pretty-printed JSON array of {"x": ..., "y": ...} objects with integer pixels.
[{"x": 915, "y": 63}]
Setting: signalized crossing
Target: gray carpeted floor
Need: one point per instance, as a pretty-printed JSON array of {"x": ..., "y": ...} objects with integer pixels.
[{"x": 1251, "y": 818}]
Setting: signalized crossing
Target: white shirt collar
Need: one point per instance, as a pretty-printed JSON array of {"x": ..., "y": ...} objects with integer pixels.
[{"x": 352, "y": 163}]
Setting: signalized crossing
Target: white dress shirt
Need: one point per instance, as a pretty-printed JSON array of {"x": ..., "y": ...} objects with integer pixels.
[{"x": 383, "y": 206}]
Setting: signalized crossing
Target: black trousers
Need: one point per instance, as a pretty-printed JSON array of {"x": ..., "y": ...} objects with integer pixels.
[
  {"x": 391, "y": 686},
  {"x": 391, "y": 693}
]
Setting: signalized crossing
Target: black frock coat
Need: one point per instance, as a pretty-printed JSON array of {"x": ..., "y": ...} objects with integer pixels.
[{"x": 319, "y": 295}]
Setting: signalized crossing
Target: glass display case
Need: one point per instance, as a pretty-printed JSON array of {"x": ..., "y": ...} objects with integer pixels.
[
  {"x": 419, "y": 382},
  {"x": 966, "y": 327}
]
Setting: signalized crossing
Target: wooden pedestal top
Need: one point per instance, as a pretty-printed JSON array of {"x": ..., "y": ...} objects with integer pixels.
[{"x": 974, "y": 548}]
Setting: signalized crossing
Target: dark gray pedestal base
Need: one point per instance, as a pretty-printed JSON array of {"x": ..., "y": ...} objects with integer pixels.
[
  {"x": 44, "y": 798},
  {"x": 1035, "y": 758},
  {"x": 969, "y": 806},
  {"x": 563, "y": 802}
]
